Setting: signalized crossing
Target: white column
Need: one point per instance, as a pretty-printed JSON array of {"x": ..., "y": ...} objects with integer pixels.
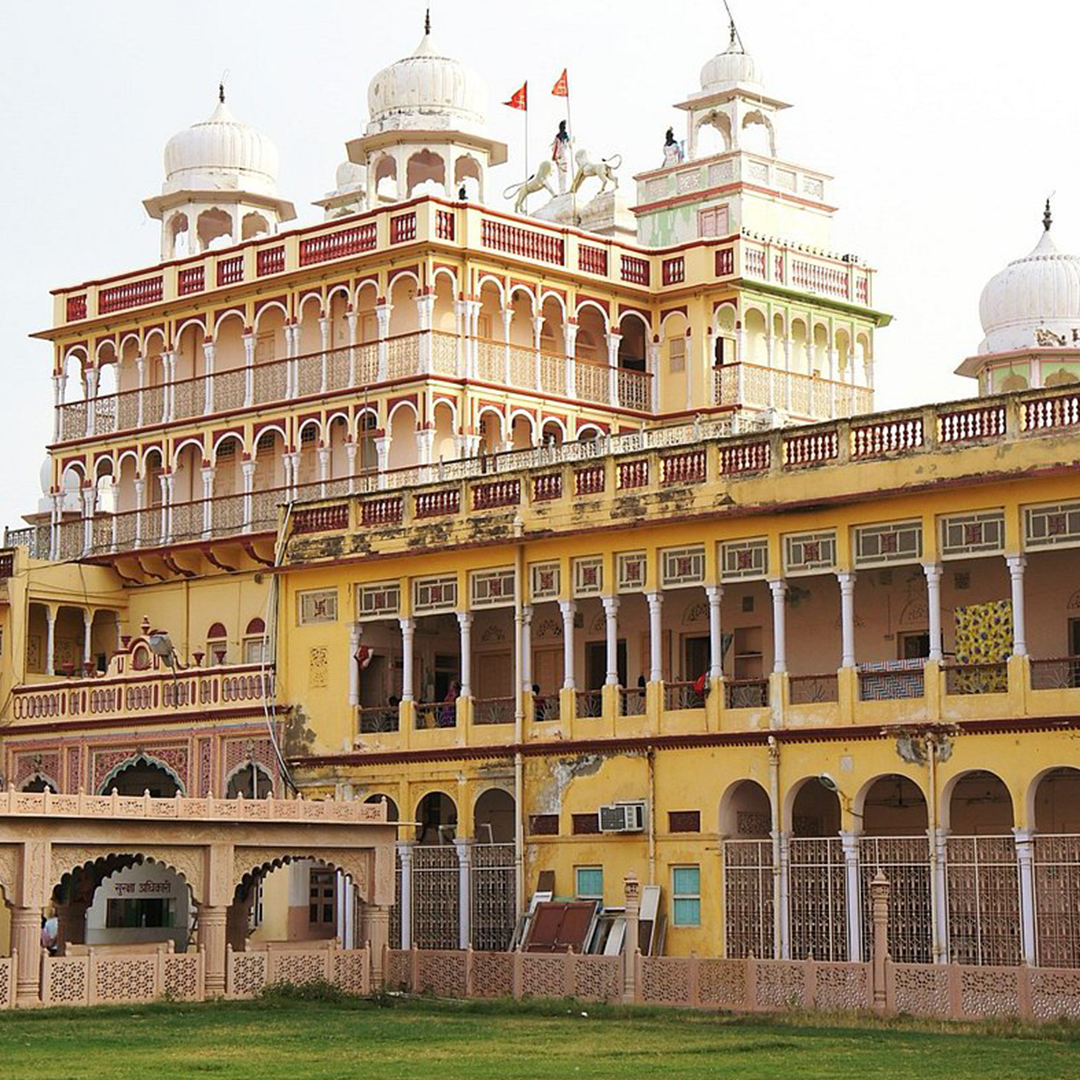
[
  {"x": 248, "y": 469},
  {"x": 847, "y": 617},
  {"x": 168, "y": 391},
  {"x": 779, "y": 596},
  {"x": 382, "y": 314},
  {"x": 249, "y": 370},
  {"x": 88, "y": 496},
  {"x": 425, "y": 307},
  {"x": 571, "y": 332},
  {"x": 933, "y": 607},
  {"x": 656, "y": 610},
  {"x": 569, "y": 610},
  {"x": 614, "y": 340},
  {"x": 91, "y": 400},
  {"x": 140, "y": 506},
  {"x": 507, "y": 318},
  {"x": 783, "y": 946},
  {"x": 464, "y": 854},
  {"x": 408, "y": 628},
  {"x": 538, "y": 331},
  {"x": 324, "y": 468},
  {"x": 208, "y": 362},
  {"x": 1025, "y": 860},
  {"x": 715, "y": 593},
  {"x": 50, "y": 640},
  {"x": 405, "y": 854},
  {"x": 611, "y": 616},
  {"x": 1017, "y": 563},
  {"x": 850, "y": 842},
  {"x": 88, "y": 625},
  {"x": 465, "y": 619},
  {"x": 352, "y": 320},
  {"x": 350, "y": 458},
  {"x": 355, "y": 631},
  {"x": 58, "y": 401},
  {"x": 472, "y": 311},
  {"x": 654, "y": 368},
  {"x": 208, "y": 499},
  {"x": 326, "y": 326},
  {"x": 460, "y": 350},
  {"x": 382, "y": 454},
  {"x": 166, "y": 506},
  {"x": 526, "y": 650},
  {"x": 292, "y": 473},
  {"x": 940, "y": 895}
]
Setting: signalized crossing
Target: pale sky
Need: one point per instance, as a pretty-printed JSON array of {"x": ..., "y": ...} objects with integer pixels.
[{"x": 946, "y": 125}]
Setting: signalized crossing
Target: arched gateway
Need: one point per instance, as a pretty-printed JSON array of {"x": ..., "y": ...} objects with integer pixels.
[{"x": 50, "y": 844}]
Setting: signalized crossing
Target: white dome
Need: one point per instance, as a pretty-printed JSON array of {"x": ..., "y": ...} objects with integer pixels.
[
  {"x": 729, "y": 68},
  {"x": 219, "y": 154},
  {"x": 427, "y": 92},
  {"x": 1041, "y": 290},
  {"x": 350, "y": 176}
]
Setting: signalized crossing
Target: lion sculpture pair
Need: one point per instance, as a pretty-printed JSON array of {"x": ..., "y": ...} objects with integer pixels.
[{"x": 603, "y": 170}]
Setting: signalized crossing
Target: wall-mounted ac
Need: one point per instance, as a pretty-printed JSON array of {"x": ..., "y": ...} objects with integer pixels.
[{"x": 623, "y": 817}]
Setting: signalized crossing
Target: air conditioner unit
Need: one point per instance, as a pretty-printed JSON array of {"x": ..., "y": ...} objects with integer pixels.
[{"x": 623, "y": 817}]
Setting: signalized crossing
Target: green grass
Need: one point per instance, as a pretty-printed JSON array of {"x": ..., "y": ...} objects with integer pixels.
[{"x": 283, "y": 1039}]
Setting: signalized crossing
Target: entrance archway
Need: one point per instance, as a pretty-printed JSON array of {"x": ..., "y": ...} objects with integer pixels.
[
  {"x": 817, "y": 909},
  {"x": 745, "y": 825}
]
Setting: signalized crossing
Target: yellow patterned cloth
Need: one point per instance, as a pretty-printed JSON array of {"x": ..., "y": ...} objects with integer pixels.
[{"x": 984, "y": 638}]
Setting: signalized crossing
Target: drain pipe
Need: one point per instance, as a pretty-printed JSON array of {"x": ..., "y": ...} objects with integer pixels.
[
  {"x": 932, "y": 830},
  {"x": 519, "y": 729},
  {"x": 652, "y": 815},
  {"x": 774, "y": 804}
]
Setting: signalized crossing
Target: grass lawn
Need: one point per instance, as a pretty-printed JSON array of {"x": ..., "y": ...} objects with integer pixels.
[{"x": 298, "y": 1040}]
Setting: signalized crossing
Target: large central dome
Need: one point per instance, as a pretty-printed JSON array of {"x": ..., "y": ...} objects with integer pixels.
[
  {"x": 427, "y": 92},
  {"x": 1038, "y": 292}
]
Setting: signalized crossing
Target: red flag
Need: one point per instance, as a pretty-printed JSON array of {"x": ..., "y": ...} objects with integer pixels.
[
  {"x": 562, "y": 87},
  {"x": 520, "y": 98}
]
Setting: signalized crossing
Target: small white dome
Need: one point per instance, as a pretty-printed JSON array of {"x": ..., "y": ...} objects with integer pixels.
[
  {"x": 729, "y": 68},
  {"x": 219, "y": 154},
  {"x": 427, "y": 92},
  {"x": 350, "y": 176},
  {"x": 1040, "y": 291}
]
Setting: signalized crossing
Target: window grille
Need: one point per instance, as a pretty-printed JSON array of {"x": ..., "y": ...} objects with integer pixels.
[
  {"x": 808, "y": 553},
  {"x": 683, "y": 566},
  {"x": 378, "y": 601},
  {"x": 893, "y": 542},
  {"x": 973, "y": 534},
  {"x": 1056, "y": 525},
  {"x": 435, "y": 594},
  {"x": 631, "y": 567},
  {"x": 545, "y": 579},
  {"x": 588, "y": 576},
  {"x": 317, "y": 606},
  {"x": 744, "y": 560},
  {"x": 492, "y": 588}
]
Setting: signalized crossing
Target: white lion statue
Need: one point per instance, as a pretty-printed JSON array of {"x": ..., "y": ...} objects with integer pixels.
[
  {"x": 603, "y": 170},
  {"x": 539, "y": 181}
]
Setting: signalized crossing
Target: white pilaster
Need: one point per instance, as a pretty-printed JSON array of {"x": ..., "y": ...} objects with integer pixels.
[
  {"x": 356, "y": 629},
  {"x": 779, "y": 597},
  {"x": 525, "y": 663},
  {"x": 50, "y": 640},
  {"x": 656, "y": 611},
  {"x": 405, "y": 854},
  {"x": 1025, "y": 860},
  {"x": 465, "y": 620},
  {"x": 1017, "y": 564},
  {"x": 850, "y": 842},
  {"x": 847, "y": 617},
  {"x": 611, "y": 617},
  {"x": 569, "y": 610},
  {"x": 715, "y": 593},
  {"x": 408, "y": 629},
  {"x": 933, "y": 607},
  {"x": 88, "y": 624}
]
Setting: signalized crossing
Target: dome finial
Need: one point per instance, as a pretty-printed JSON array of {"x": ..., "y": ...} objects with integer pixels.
[
  {"x": 427, "y": 21},
  {"x": 736, "y": 37},
  {"x": 1047, "y": 218},
  {"x": 221, "y": 92}
]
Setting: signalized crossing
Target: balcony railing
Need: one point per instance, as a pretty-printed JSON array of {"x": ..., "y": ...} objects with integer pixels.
[
  {"x": 683, "y": 695},
  {"x": 493, "y": 710},
  {"x": 812, "y": 689},
  {"x": 889, "y": 680},
  {"x": 746, "y": 693},
  {"x": 800, "y": 395},
  {"x": 195, "y": 690},
  {"x": 1062, "y": 673},
  {"x": 590, "y": 703},
  {"x": 351, "y": 368}
]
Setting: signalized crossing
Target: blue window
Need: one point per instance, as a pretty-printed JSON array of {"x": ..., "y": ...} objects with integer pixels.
[
  {"x": 589, "y": 882},
  {"x": 686, "y": 896}
]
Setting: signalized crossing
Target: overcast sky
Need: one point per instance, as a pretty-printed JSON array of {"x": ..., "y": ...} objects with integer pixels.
[{"x": 946, "y": 125}]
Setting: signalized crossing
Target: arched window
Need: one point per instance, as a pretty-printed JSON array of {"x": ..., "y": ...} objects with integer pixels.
[
  {"x": 254, "y": 642},
  {"x": 217, "y": 644}
]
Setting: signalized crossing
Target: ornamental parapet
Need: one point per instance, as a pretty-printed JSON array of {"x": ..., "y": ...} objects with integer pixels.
[
  {"x": 47, "y": 804},
  {"x": 433, "y": 221}
]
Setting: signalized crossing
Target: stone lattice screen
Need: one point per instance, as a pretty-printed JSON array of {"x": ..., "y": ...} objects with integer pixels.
[{"x": 7, "y": 981}]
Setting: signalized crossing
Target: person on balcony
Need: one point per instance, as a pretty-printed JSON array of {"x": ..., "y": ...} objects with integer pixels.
[{"x": 448, "y": 712}]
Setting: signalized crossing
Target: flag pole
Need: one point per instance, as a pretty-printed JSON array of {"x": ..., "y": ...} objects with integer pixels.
[{"x": 526, "y": 132}]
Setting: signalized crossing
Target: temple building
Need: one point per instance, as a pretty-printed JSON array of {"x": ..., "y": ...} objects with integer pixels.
[{"x": 571, "y": 536}]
